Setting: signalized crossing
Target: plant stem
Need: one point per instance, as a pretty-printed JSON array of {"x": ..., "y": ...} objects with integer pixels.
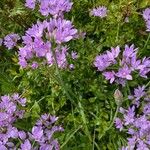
[
  {"x": 84, "y": 120},
  {"x": 112, "y": 122},
  {"x": 60, "y": 78},
  {"x": 117, "y": 109},
  {"x": 147, "y": 84},
  {"x": 146, "y": 41},
  {"x": 70, "y": 137}
]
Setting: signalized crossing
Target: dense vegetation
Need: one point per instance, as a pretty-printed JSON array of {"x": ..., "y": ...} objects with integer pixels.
[{"x": 86, "y": 62}]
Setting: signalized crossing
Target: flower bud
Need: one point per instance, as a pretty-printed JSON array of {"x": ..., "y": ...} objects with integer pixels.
[{"x": 118, "y": 97}]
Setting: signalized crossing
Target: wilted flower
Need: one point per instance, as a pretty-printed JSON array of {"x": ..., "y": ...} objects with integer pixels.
[{"x": 118, "y": 97}]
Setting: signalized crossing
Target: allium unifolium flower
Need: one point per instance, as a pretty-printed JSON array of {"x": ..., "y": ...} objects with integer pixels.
[
  {"x": 10, "y": 40},
  {"x": 100, "y": 11},
  {"x": 30, "y": 4},
  {"x": 146, "y": 16},
  {"x": 43, "y": 132},
  {"x": 125, "y": 64},
  {"x": 135, "y": 119},
  {"x": 39, "y": 39},
  {"x": 55, "y": 8},
  {"x": 9, "y": 113}
]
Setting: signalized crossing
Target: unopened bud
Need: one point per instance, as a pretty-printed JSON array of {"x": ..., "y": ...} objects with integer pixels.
[{"x": 118, "y": 97}]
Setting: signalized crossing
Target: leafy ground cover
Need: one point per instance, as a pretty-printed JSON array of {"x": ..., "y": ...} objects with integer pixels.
[{"x": 75, "y": 75}]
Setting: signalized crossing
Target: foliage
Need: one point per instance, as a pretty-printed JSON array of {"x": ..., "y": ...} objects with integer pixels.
[{"x": 84, "y": 100}]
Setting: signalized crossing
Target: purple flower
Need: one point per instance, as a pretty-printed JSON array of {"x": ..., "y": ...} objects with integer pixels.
[
  {"x": 146, "y": 16},
  {"x": 124, "y": 73},
  {"x": 74, "y": 55},
  {"x": 2, "y": 147},
  {"x": 129, "y": 55},
  {"x": 139, "y": 92},
  {"x": 118, "y": 124},
  {"x": 129, "y": 116},
  {"x": 105, "y": 60},
  {"x": 38, "y": 40},
  {"x": 101, "y": 62},
  {"x": 137, "y": 122},
  {"x": 55, "y": 7},
  {"x": 61, "y": 57},
  {"x": 53, "y": 119},
  {"x": 12, "y": 132},
  {"x": 22, "y": 135},
  {"x": 9, "y": 109},
  {"x": 61, "y": 30},
  {"x": 145, "y": 67},
  {"x": 43, "y": 132},
  {"x": 26, "y": 145},
  {"x": 37, "y": 133},
  {"x": 109, "y": 75},
  {"x": 34, "y": 65},
  {"x": 11, "y": 40},
  {"x": 22, "y": 62},
  {"x": 100, "y": 11},
  {"x": 30, "y": 4}
]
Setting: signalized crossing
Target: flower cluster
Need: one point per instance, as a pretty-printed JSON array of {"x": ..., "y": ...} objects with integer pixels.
[
  {"x": 127, "y": 63},
  {"x": 9, "y": 112},
  {"x": 146, "y": 16},
  {"x": 10, "y": 40},
  {"x": 55, "y": 8},
  {"x": 39, "y": 39},
  {"x": 42, "y": 132},
  {"x": 136, "y": 120},
  {"x": 100, "y": 11},
  {"x": 44, "y": 41}
]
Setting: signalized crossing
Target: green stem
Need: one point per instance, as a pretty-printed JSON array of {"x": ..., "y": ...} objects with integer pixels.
[
  {"x": 60, "y": 78},
  {"x": 70, "y": 137},
  {"x": 146, "y": 41},
  {"x": 84, "y": 121},
  {"x": 117, "y": 109},
  {"x": 112, "y": 122},
  {"x": 117, "y": 36},
  {"x": 147, "y": 84}
]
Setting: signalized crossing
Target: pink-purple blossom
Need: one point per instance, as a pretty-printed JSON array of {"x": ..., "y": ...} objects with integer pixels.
[
  {"x": 10, "y": 40},
  {"x": 124, "y": 64},
  {"x": 38, "y": 42},
  {"x": 56, "y": 8},
  {"x": 135, "y": 119},
  {"x": 100, "y": 11},
  {"x": 146, "y": 16}
]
